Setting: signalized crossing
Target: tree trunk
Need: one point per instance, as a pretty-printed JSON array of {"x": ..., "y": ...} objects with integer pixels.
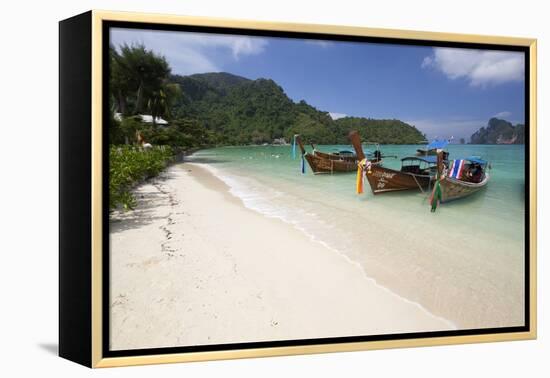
[
  {"x": 139, "y": 99},
  {"x": 122, "y": 103}
]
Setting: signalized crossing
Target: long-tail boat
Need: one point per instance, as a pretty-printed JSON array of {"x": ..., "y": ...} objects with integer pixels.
[
  {"x": 322, "y": 162},
  {"x": 463, "y": 177},
  {"x": 338, "y": 155},
  {"x": 417, "y": 172},
  {"x": 375, "y": 156}
]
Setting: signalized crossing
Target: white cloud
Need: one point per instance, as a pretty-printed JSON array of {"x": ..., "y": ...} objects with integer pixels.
[
  {"x": 319, "y": 43},
  {"x": 427, "y": 62},
  {"x": 244, "y": 45},
  {"x": 479, "y": 67},
  {"x": 335, "y": 115},
  {"x": 189, "y": 53},
  {"x": 505, "y": 114}
]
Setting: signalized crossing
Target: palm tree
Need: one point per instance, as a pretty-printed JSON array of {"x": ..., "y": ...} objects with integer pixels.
[
  {"x": 157, "y": 105},
  {"x": 137, "y": 74},
  {"x": 120, "y": 81},
  {"x": 160, "y": 101}
]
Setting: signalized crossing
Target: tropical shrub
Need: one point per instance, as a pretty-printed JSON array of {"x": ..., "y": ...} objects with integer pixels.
[{"x": 129, "y": 165}]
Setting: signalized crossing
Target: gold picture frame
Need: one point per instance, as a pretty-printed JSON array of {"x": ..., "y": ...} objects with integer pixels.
[{"x": 91, "y": 328}]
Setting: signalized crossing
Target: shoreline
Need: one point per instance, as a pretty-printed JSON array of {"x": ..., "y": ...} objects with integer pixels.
[
  {"x": 183, "y": 273},
  {"x": 457, "y": 265},
  {"x": 314, "y": 239}
]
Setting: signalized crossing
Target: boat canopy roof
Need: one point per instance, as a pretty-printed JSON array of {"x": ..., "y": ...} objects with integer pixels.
[
  {"x": 437, "y": 144},
  {"x": 475, "y": 159},
  {"x": 346, "y": 152},
  {"x": 430, "y": 159}
]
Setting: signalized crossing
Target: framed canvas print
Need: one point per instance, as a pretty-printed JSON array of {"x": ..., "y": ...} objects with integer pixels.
[{"x": 237, "y": 189}]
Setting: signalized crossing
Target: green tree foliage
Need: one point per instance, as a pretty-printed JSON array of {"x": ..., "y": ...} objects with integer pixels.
[
  {"x": 384, "y": 131},
  {"x": 241, "y": 111},
  {"x": 124, "y": 131},
  {"x": 139, "y": 83},
  {"x": 137, "y": 76},
  {"x": 160, "y": 101},
  {"x": 116, "y": 133},
  {"x": 179, "y": 133}
]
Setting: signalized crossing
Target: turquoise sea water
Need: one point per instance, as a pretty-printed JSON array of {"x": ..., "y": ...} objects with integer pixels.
[{"x": 464, "y": 262}]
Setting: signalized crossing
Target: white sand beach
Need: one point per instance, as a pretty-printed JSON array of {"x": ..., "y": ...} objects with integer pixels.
[{"x": 191, "y": 265}]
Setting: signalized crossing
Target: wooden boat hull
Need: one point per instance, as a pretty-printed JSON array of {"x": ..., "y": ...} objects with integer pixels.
[
  {"x": 329, "y": 156},
  {"x": 452, "y": 189},
  {"x": 426, "y": 153},
  {"x": 321, "y": 165},
  {"x": 382, "y": 180}
]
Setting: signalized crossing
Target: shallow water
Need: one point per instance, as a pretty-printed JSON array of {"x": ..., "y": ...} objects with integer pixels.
[{"x": 465, "y": 262}]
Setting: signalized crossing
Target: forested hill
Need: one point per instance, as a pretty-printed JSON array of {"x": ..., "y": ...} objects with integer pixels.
[
  {"x": 499, "y": 131},
  {"x": 238, "y": 111}
]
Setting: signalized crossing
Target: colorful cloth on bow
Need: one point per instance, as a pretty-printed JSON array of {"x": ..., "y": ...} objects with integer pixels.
[
  {"x": 435, "y": 197},
  {"x": 362, "y": 167},
  {"x": 456, "y": 168}
]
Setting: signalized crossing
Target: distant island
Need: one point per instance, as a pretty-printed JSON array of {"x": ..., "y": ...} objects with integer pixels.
[{"x": 499, "y": 131}]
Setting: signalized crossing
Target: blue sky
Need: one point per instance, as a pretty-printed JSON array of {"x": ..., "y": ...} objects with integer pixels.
[{"x": 444, "y": 92}]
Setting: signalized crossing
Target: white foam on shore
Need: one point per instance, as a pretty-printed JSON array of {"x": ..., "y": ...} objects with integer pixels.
[{"x": 259, "y": 198}]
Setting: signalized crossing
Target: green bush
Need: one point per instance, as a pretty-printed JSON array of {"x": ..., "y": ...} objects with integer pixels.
[{"x": 129, "y": 165}]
